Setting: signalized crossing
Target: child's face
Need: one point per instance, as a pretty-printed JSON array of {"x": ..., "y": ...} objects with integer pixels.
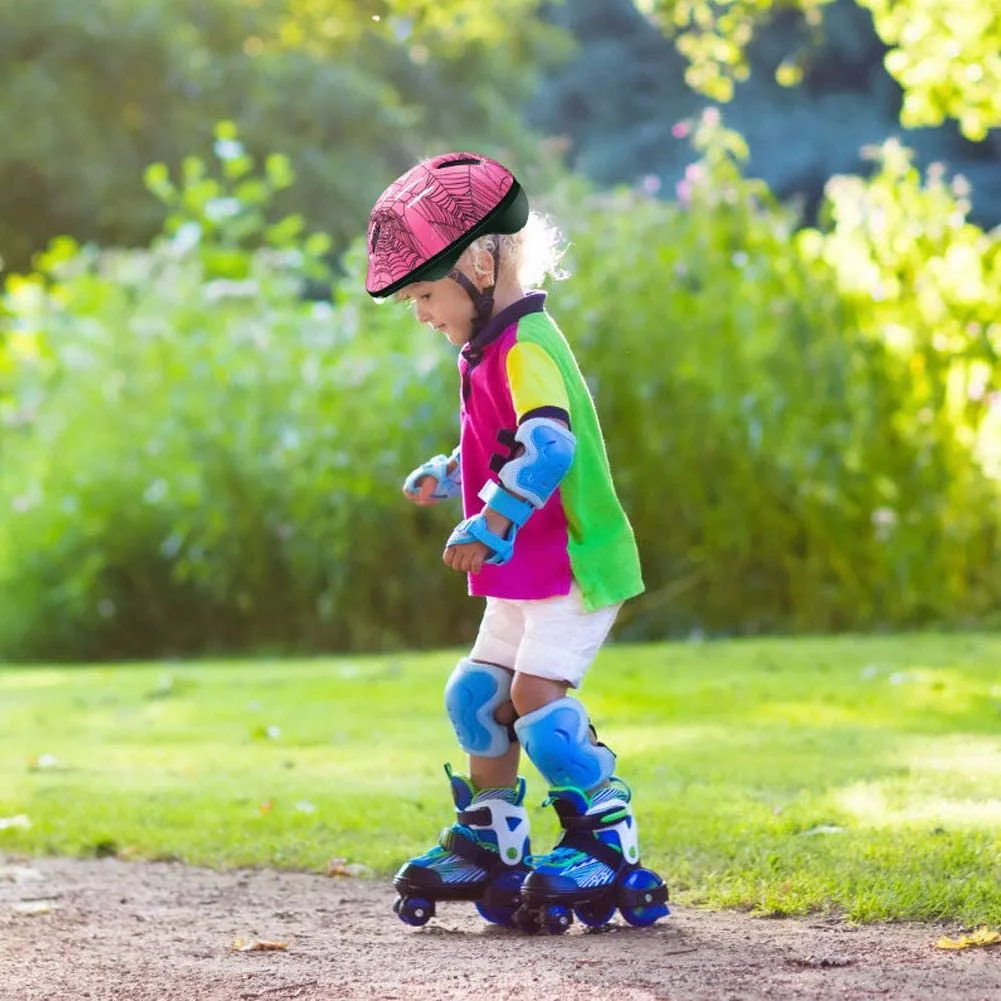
[{"x": 444, "y": 305}]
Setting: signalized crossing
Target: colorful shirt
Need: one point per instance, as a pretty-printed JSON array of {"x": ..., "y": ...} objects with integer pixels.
[{"x": 520, "y": 366}]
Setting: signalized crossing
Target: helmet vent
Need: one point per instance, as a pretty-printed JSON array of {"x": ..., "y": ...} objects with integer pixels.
[
  {"x": 459, "y": 163},
  {"x": 375, "y": 236}
]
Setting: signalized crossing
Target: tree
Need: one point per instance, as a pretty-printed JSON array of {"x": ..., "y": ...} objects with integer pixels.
[
  {"x": 90, "y": 93},
  {"x": 945, "y": 54}
]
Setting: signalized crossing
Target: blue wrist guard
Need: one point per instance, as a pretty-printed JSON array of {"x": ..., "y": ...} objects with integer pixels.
[
  {"x": 437, "y": 468},
  {"x": 475, "y": 530}
]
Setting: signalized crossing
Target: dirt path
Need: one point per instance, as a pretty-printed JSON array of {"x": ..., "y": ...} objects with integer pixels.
[{"x": 156, "y": 932}]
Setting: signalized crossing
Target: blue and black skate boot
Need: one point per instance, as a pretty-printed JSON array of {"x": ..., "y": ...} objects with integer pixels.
[
  {"x": 481, "y": 857},
  {"x": 594, "y": 869}
]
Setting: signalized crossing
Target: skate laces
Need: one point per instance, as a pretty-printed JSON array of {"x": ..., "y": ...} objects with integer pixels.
[
  {"x": 557, "y": 857},
  {"x": 482, "y": 836},
  {"x": 563, "y": 857},
  {"x": 507, "y": 795},
  {"x": 616, "y": 789}
]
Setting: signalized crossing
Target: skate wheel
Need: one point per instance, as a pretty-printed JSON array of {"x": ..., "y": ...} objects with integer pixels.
[
  {"x": 497, "y": 915},
  {"x": 595, "y": 914},
  {"x": 639, "y": 881},
  {"x": 555, "y": 919},
  {"x": 414, "y": 911},
  {"x": 500, "y": 900}
]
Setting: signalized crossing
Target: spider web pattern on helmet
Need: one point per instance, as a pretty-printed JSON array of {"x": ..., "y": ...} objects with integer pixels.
[{"x": 428, "y": 209}]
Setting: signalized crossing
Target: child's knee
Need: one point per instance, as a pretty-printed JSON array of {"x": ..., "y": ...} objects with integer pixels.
[
  {"x": 561, "y": 744},
  {"x": 529, "y": 692},
  {"x": 474, "y": 695},
  {"x": 505, "y": 713}
]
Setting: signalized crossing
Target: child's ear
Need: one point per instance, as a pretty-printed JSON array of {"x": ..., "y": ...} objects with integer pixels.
[{"x": 484, "y": 264}]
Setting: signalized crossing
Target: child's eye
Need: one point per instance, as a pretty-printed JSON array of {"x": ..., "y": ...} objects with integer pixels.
[{"x": 424, "y": 296}]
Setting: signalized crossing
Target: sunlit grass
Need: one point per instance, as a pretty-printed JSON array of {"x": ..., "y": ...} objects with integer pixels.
[{"x": 856, "y": 775}]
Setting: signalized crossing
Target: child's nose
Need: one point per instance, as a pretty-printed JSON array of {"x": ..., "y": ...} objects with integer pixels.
[{"x": 423, "y": 316}]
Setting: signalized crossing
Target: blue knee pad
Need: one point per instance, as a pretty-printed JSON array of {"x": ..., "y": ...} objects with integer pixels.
[
  {"x": 472, "y": 695},
  {"x": 558, "y": 740}
]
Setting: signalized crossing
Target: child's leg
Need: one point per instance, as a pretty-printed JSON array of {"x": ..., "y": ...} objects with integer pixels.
[
  {"x": 561, "y": 640},
  {"x": 493, "y": 766},
  {"x": 594, "y": 868},
  {"x": 482, "y": 856},
  {"x": 500, "y": 772}
]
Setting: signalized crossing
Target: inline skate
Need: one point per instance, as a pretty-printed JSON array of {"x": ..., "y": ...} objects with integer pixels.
[
  {"x": 594, "y": 869},
  {"x": 481, "y": 858}
]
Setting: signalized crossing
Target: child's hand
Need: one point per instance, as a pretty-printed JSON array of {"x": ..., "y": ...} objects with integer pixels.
[
  {"x": 466, "y": 558},
  {"x": 433, "y": 481},
  {"x": 425, "y": 487}
]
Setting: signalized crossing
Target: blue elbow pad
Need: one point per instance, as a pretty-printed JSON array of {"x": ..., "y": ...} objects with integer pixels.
[{"x": 536, "y": 473}]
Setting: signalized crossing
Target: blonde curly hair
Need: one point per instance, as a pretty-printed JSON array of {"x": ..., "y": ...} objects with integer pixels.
[{"x": 530, "y": 255}]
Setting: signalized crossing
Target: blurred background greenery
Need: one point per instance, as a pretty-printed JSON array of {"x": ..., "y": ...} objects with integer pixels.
[{"x": 786, "y": 294}]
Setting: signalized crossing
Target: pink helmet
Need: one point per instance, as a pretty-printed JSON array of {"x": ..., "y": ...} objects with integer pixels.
[{"x": 425, "y": 219}]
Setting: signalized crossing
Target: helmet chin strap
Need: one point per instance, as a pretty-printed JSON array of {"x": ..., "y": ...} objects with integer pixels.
[{"x": 483, "y": 301}]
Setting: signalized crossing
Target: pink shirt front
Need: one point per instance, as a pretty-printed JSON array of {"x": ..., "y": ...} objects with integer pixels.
[{"x": 540, "y": 565}]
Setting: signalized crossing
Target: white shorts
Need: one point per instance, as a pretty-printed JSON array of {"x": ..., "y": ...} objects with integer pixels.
[{"x": 552, "y": 638}]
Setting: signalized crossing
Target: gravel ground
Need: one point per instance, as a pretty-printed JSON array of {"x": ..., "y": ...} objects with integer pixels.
[{"x": 132, "y": 931}]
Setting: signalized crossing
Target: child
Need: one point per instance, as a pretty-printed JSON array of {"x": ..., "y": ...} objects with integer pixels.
[{"x": 544, "y": 540}]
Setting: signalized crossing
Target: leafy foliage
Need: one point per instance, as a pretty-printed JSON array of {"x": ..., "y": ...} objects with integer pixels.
[
  {"x": 924, "y": 282},
  {"x": 946, "y": 54},
  {"x": 194, "y": 451},
  {"x": 196, "y": 458},
  {"x": 91, "y": 93},
  {"x": 947, "y": 57},
  {"x": 803, "y": 499},
  {"x": 617, "y": 98}
]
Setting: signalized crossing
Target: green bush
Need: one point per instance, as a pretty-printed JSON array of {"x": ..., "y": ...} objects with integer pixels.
[
  {"x": 759, "y": 416},
  {"x": 196, "y": 459}
]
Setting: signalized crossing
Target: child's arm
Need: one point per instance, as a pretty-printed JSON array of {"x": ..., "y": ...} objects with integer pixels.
[
  {"x": 526, "y": 484},
  {"x": 541, "y": 456}
]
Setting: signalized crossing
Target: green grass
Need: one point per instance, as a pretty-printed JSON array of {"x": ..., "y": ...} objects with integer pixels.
[{"x": 861, "y": 776}]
